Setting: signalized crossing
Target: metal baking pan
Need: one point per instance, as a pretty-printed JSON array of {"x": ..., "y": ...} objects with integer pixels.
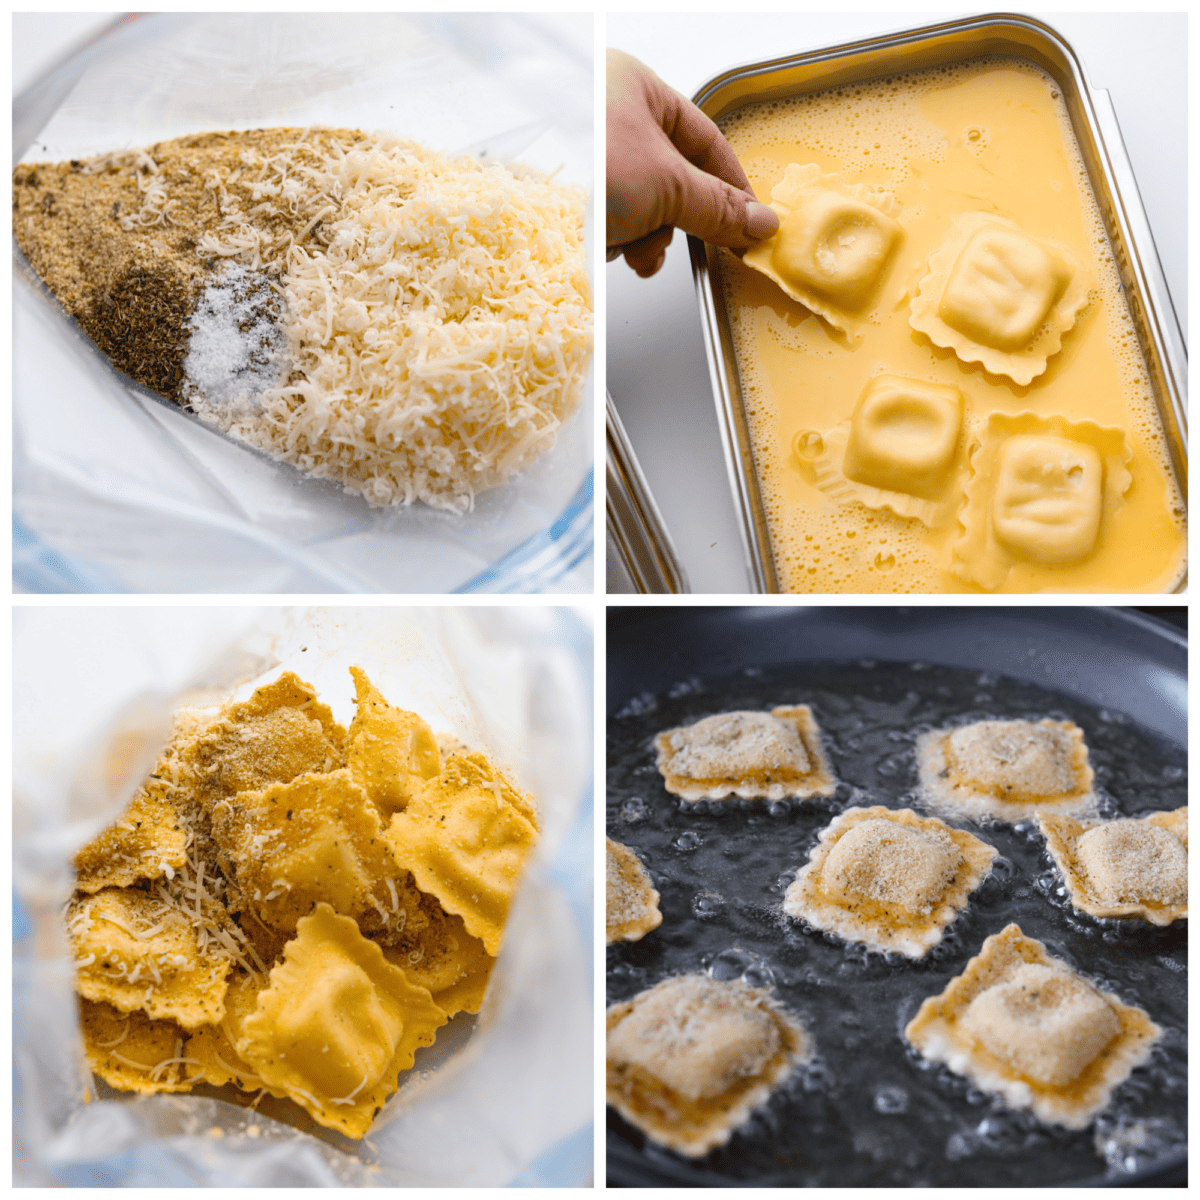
[
  {"x": 1126, "y": 669},
  {"x": 1098, "y": 134},
  {"x": 641, "y": 556}
]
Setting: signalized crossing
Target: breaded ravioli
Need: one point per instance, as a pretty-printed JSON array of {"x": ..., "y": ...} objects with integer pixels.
[
  {"x": 754, "y": 755},
  {"x": 888, "y": 879},
  {"x": 1005, "y": 770},
  {"x": 1123, "y": 868},
  {"x": 1028, "y": 1028},
  {"x": 631, "y": 903},
  {"x": 691, "y": 1058}
]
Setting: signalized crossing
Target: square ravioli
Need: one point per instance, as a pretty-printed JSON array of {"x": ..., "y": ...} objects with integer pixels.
[
  {"x": 833, "y": 244},
  {"x": 135, "y": 951},
  {"x": 754, "y": 755},
  {"x": 1005, "y": 770},
  {"x": 899, "y": 450},
  {"x": 1026, "y": 1027},
  {"x": 1002, "y": 288},
  {"x": 389, "y": 750},
  {"x": 996, "y": 295},
  {"x": 147, "y": 842},
  {"x": 1039, "y": 493},
  {"x": 888, "y": 879},
  {"x": 280, "y": 733},
  {"x": 690, "y": 1059},
  {"x": 465, "y": 836},
  {"x": 1123, "y": 868},
  {"x": 631, "y": 903},
  {"x": 317, "y": 838},
  {"x": 446, "y": 960},
  {"x": 131, "y": 1052},
  {"x": 337, "y": 1024}
]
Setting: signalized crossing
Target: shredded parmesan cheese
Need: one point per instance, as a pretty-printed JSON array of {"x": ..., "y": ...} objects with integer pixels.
[{"x": 439, "y": 340}]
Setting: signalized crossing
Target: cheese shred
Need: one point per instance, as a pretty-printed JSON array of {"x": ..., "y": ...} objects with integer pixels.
[{"x": 438, "y": 339}]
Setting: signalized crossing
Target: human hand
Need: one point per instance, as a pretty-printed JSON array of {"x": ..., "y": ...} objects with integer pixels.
[{"x": 668, "y": 165}]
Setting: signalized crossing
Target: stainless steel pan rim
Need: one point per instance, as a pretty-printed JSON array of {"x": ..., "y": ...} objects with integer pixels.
[{"x": 1113, "y": 181}]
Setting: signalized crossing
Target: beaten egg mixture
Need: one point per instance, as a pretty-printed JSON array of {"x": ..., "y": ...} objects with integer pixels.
[{"x": 942, "y": 381}]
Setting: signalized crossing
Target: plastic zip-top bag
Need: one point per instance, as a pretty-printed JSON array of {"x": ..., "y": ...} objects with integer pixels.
[
  {"x": 502, "y": 1098},
  {"x": 116, "y": 488}
]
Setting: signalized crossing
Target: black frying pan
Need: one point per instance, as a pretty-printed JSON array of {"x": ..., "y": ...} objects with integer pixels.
[{"x": 1124, "y": 660}]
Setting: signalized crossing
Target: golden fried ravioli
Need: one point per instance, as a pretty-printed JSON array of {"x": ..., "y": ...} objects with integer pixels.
[{"x": 691, "y": 1058}]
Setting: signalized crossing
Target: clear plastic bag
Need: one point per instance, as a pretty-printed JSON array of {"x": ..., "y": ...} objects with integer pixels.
[
  {"x": 118, "y": 490},
  {"x": 504, "y": 1098}
]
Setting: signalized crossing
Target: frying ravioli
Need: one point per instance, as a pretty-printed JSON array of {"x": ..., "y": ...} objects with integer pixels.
[
  {"x": 754, "y": 755},
  {"x": 465, "y": 836},
  {"x": 1026, "y": 1027},
  {"x": 631, "y": 903},
  {"x": 1123, "y": 868},
  {"x": 135, "y": 952},
  {"x": 1039, "y": 492},
  {"x": 888, "y": 879},
  {"x": 996, "y": 295},
  {"x": 690, "y": 1059},
  {"x": 390, "y": 750},
  {"x": 833, "y": 244},
  {"x": 1005, "y": 770},
  {"x": 130, "y": 1051},
  {"x": 337, "y": 1024}
]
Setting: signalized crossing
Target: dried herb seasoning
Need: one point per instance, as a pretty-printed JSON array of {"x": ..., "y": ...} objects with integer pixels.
[{"x": 131, "y": 270}]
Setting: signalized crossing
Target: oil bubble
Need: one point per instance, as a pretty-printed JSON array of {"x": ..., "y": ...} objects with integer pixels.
[
  {"x": 759, "y": 975},
  {"x": 689, "y": 839},
  {"x": 731, "y": 964},
  {"x": 891, "y": 1100},
  {"x": 1002, "y": 869},
  {"x": 634, "y": 809}
]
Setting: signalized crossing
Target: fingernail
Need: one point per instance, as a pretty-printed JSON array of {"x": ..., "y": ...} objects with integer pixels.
[{"x": 761, "y": 221}]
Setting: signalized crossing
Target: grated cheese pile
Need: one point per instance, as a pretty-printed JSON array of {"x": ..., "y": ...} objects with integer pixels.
[{"x": 439, "y": 337}]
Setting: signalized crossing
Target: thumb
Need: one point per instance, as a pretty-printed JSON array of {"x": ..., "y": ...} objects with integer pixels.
[{"x": 715, "y": 211}]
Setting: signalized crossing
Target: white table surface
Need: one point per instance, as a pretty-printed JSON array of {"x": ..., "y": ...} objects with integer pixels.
[{"x": 656, "y": 365}]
